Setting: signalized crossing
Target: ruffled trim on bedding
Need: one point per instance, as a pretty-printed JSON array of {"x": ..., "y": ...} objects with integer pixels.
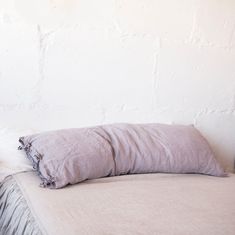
[
  {"x": 35, "y": 158},
  {"x": 15, "y": 215}
]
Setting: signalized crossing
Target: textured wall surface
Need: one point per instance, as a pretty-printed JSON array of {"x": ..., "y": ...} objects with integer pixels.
[{"x": 72, "y": 63}]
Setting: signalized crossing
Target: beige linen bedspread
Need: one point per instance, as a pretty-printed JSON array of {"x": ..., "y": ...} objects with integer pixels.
[{"x": 134, "y": 204}]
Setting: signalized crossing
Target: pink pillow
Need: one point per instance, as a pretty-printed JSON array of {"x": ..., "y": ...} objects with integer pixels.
[{"x": 70, "y": 156}]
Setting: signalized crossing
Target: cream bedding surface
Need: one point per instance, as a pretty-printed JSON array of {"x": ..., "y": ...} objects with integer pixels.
[{"x": 131, "y": 204}]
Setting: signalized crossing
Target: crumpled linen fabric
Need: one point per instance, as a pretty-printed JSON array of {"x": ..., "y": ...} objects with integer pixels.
[{"x": 73, "y": 155}]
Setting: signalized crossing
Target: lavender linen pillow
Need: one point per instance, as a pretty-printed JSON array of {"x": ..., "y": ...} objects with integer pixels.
[{"x": 70, "y": 156}]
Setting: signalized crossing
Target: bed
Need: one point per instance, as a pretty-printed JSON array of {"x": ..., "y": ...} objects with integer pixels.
[
  {"x": 129, "y": 204},
  {"x": 119, "y": 179}
]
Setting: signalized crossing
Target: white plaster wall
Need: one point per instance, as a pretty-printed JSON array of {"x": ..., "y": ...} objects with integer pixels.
[{"x": 72, "y": 63}]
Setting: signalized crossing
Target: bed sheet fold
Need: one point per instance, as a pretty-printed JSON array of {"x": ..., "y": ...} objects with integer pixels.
[{"x": 15, "y": 215}]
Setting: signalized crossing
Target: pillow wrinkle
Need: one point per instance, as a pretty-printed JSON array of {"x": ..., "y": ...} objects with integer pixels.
[{"x": 106, "y": 136}]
